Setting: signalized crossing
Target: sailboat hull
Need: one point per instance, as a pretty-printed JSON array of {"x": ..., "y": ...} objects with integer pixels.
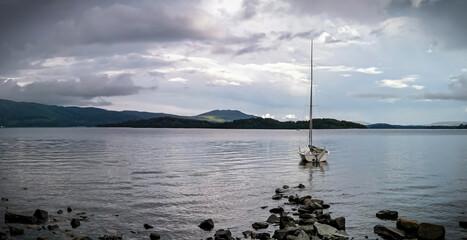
[{"x": 313, "y": 155}]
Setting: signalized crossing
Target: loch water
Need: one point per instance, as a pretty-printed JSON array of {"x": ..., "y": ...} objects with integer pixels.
[{"x": 173, "y": 179}]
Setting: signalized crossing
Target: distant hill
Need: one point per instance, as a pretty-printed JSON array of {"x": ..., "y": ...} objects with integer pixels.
[
  {"x": 390, "y": 126},
  {"x": 251, "y": 123},
  {"x": 223, "y": 116},
  {"x": 26, "y": 114}
]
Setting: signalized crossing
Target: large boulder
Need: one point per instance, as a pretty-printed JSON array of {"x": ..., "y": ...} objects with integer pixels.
[
  {"x": 273, "y": 219},
  {"x": 41, "y": 215},
  {"x": 389, "y": 233},
  {"x": 17, "y": 218},
  {"x": 428, "y": 231},
  {"x": 408, "y": 225},
  {"x": 276, "y": 210},
  {"x": 338, "y": 223},
  {"x": 75, "y": 223},
  {"x": 325, "y": 231},
  {"x": 207, "y": 224},
  {"x": 286, "y": 221},
  {"x": 155, "y": 236},
  {"x": 263, "y": 236},
  {"x": 387, "y": 215},
  {"x": 302, "y": 236}
]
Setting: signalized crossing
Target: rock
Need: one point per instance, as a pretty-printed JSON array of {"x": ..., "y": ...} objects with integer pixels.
[
  {"x": 246, "y": 234},
  {"x": 278, "y": 190},
  {"x": 302, "y": 236},
  {"x": 463, "y": 224},
  {"x": 222, "y": 234},
  {"x": 409, "y": 226},
  {"x": 338, "y": 223},
  {"x": 302, "y": 200},
  {"x": 428, "y": 231},
  {"x": 155, "y": 236},
  {"x": 52, "y": 227},
  {"x": 313, "y": 200},
  {"x": 263, "y": 207},
  {"x": 276, "y": 210},
  {"x": 389, "y": 233},
  {"x": 263, "y": 236},
  {"x": 69, "y": 209},
  {"x": 285, "y": 186},
  {"x": 294, "y": 199},
  {"x": 4, "y": 199},
  {"x": 277, "y": 196},
  {"x": 273, "y": 219},
  {"x": 105, "y": 237},
  {"x": 75, "y": 223},
  {"x": 82, "y": 238},
  {"x": 59, "y": 211},
  {"x": 17, "y": 218},
  {"x": 14, "y": 231},
  {"x": 387, "y": 215},
  {"x": 260, "y": 225},
  {"x": 324, "y": 219},
  {"x": 309, "y": 221},
  {"x": 147, "y": 226},
  {"x": 324, "y": 231},
  {"x": 280, "y": 234},
  {"x": 40, "y": 238},
  {"x": 304, "y": 215},
  {"x": 41, "y": 215},
  {"x": 207, "y": 224},
  {"x": 301, "y": 186},
  {"x": 286, "y": 221},
  {"x": 3, "y": 236},
  {"x": 325, "y": 205}
]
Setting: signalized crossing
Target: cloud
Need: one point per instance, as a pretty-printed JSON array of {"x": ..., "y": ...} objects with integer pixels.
[
  {"x": 249, "y": 8},
  {"x": 341, "y": 68},
  {"x": 400, "y": 83},
  {"x": 385, "y": 97},
  {"x": 87, "y": 89},
  {"x": 179, "y": 80},
  {"x": 290, "y": 116},
  {"x": 457, "y": 90},
  {"x": 267, "y": 115}
]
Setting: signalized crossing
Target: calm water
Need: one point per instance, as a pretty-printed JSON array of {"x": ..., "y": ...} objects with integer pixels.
[{"x": 175, "y": 178}]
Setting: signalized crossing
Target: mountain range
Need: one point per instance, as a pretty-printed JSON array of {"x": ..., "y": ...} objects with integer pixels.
[{"x": 26, "y": 114}]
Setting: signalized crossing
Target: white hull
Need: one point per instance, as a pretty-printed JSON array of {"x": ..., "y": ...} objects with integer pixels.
[{"x": 314, "y": 155}]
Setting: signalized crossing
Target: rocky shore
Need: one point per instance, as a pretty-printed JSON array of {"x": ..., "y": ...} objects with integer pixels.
[{"x": 294, "y": 217}]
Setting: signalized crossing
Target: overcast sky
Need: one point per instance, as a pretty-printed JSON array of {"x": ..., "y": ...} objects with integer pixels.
[{"x": 395, "y": 61}]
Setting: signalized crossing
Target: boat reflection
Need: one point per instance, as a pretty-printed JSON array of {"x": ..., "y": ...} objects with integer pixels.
[{"x": 322, "y": 166}]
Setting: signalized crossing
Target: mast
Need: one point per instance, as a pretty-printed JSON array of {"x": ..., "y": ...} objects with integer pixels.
[{"x": 310, "y": 132}]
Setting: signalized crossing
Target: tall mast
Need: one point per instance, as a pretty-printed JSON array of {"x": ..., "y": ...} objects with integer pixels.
[{"x": 310, "y": 132}]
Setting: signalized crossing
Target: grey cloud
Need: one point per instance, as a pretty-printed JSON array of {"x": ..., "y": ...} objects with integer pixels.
[
  {"x": 382, "y": 96},
  {"x": 457, "y": 91},
  {"x": 249, "y": 8},
  {"x": 78, "y": 92}
]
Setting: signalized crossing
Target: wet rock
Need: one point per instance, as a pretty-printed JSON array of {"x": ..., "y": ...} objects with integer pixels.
[
  {"x": 264, "y": 207},
  {"x": 14, "y": 231},
  {"x": 309, "y": 221},
  {"x": 325, "y": 205},
  {"x": 82, "y": 238},
  {"x": 69, "y": 209},
  {"x": 324, "y": 219},
  {"x": 17, "y": 218},
  {"x": 463, "y": 224},
  {"x": 338, "y": 223},
  {"x": 41, "y": 215},
  {"x": 263, "y": 236},
  {"x": 147, "y": 226},
  {"x": 155, "y": 236},
  {"x": 387, "y": 215},
  {"x": 428, "y": 231},
  {"x": 260, "y": 225},
  {"x": 277, "y": 196},
  {"x": 285, "y": 186},
  {"x": 273, "y": 219},
  {"x": 278, "y": 190},
  {"x": 302, "y": 200},
  {"x": 207, "y": 224},
  {"x": 105, "y": 237},
  {"x": 302, "y": 236},
  {"x": 301, "y": 186},
  {"x": 286, "y": 221},
  {"x": 75, "y": 223},
  {"x": 246, "y": 234},
  {"x": 325, "y": 231},
  {"x": 3, "y": 236},
  {"x": 304, "y": 215},
  {"x": 294, "y": 199},
  {"x": 389, "y": 233},
  {"x": 409, "y": 226},
  {"x": 276, "y": 210},
  {"x": 313, "y": 200},
  {"x": 4, "y": 199},
  {"x": 40, "y": 238},
  {"x": 52, "y": 227},
  {"x": 222, "y": 234},
  {"x": 59, "y": 211}
]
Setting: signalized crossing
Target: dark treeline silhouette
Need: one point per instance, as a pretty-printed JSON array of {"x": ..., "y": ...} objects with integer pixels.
[{"x": 252, "y": 123}]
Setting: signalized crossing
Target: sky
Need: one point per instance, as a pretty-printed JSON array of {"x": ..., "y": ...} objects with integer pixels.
[{"x": 393, "y": 61}]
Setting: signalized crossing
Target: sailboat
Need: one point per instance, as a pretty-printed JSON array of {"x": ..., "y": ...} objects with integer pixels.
[{"x": 312, "y": 153}]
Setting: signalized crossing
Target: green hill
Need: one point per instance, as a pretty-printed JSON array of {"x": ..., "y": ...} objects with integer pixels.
[{"x": 222, "y": 116}]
